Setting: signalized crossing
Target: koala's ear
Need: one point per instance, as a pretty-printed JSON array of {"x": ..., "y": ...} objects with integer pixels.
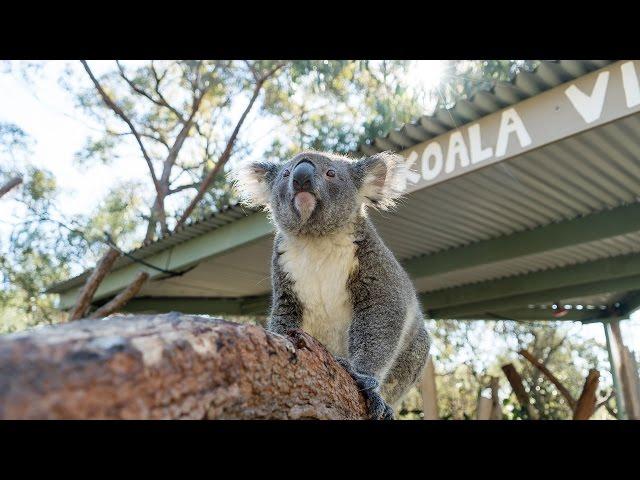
[
  {"x": 253, "y": 181},
  {"x": 380, "y": 179}
]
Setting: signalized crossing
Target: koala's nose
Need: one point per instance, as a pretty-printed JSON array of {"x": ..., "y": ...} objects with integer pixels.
[{"x": 302, "y": 174}]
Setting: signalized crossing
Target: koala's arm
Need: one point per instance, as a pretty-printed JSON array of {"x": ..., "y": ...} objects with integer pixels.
[
  {"x": 286, "y": 309},
  {"x": 374, "y": 335},
  {"x": 384, "y": 310}
]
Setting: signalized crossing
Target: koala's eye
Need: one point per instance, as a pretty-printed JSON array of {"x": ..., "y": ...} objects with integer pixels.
[
  {"x": 331, "y": 173},
  {"x": 286, "y": 173}
]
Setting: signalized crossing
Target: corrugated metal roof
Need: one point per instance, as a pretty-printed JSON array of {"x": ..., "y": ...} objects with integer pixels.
[
  {"x": 562, "y": 257},
  {"x": 590, "y": 172},
  {"x": 524, "y": 84},
  {"x": 195, "y": 228}
]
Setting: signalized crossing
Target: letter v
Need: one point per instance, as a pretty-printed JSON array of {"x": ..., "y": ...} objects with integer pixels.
[{"x": 589, "y": 106}]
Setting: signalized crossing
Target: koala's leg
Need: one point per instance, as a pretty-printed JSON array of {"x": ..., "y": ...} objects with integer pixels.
[
  {"x": 374, "y": 339},
  {"x": 407, "y": 369},
  {"x": 370, "y": 387}
]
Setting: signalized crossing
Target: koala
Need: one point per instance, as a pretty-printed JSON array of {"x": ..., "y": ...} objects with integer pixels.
[{"x": 332, "y": 275}]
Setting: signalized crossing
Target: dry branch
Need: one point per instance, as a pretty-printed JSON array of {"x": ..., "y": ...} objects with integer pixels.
[
  {"x": 171, "y": 366},
  {"x": 120, "y": 113},
  {"x": 226, "y": 154},
  {"x": 11, "y": 184},
  {"x": 515, "y": 380},
  {"x": 552, "y": 378},
  {"x": 122, "y": 298},
  {"x": 92, "y": 284},
  {"x": 586, "y": 405}
]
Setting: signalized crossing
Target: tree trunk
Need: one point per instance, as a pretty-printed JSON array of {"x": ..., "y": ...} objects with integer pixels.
[
  {"x": 626, "y": 372},
  {"x": 634, "y": 382},
  {"x": 429, "y": 392},
  {"x": 171, "y": 366},
  {"x": 586, "y": 404},
  {"x": 515, "y": 380}
]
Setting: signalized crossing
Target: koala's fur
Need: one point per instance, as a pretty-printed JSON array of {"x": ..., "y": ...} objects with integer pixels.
[{"x": 332, "y": 275}]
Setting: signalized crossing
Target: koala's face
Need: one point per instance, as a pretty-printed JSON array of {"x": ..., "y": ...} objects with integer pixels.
[
  {"x": 319, "y": 193},
  {"x": 313, "y": 193}
]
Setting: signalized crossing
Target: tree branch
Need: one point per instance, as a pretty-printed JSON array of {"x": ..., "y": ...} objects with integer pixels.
[
  {"x": 552, "y": 378},
  {"x": 92, "y": 284},
  {"x": 11, "y": 184},
  {"x": 515, "y": 380},
  {"x": 171, "y": 366},
  {"x": 226, "y": 154},
  {"x": 122, "y": 298},
  {"x": 162, "y": 102},
  {"x": 183, "y": 187},
  {"x": 586, "y": 405},
  {"x": 118, "y": 111}
]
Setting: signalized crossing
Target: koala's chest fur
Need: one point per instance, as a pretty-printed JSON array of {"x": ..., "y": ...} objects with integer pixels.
[{"x": 320, "y": 269}]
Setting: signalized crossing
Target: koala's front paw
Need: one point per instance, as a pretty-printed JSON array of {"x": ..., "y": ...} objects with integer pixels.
[
  {"x": 370, "y": 387},
  {"x": 378, "y": 408}
]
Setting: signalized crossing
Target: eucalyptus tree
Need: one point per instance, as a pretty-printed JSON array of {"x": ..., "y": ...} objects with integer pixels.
[{"x": 187, "y": 119}]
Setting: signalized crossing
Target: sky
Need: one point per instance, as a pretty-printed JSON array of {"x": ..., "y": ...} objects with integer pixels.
[{"x": 47, "y": 113}]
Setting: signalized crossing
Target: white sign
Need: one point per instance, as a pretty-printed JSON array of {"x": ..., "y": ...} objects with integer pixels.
[{"x": 591, "y": 100}]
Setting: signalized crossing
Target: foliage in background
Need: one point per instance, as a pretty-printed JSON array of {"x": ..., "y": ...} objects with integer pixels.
[
  {"x": 187, "y": 119},
  {"x": 467, "y": 353},
  {"x": 42, "y": 242},
  {"x": 461, "y": 79},
  {"x": 29, "y": 259}
]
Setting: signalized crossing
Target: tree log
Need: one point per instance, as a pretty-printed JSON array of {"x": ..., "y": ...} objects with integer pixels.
[
  {"x": 93, "y": 282},
  {"x": 586, "y": 405},
  {"x": 515, "y": 380},
  {"x": 171, "y": 366}
]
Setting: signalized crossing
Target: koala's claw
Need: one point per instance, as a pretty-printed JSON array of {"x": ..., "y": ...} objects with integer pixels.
[{"x": 369, "y": 386}]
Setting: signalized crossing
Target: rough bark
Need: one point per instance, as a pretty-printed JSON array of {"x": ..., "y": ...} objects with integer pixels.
[
  {"x": 92, "y": 284},
  {"x": 171, "y": 366},
  {"x": 122, "y": 298},
  {"x": 586, "y": 404},
  {"x": 552, "y": 378},
  {"x": 515, "y": 380},
  {"x": 11, "y": 184}
]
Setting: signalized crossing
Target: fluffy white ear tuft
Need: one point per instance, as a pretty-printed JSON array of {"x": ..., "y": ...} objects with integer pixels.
[
  {"x": 253, "y": 180},
  {"x": 382, "y": 179}
]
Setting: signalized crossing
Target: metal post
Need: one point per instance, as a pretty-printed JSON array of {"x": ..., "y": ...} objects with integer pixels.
[{"x": 614, "y": 374}]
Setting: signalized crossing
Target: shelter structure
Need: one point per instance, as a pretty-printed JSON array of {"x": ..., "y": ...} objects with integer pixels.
[{"x": 523, "y": 203}]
